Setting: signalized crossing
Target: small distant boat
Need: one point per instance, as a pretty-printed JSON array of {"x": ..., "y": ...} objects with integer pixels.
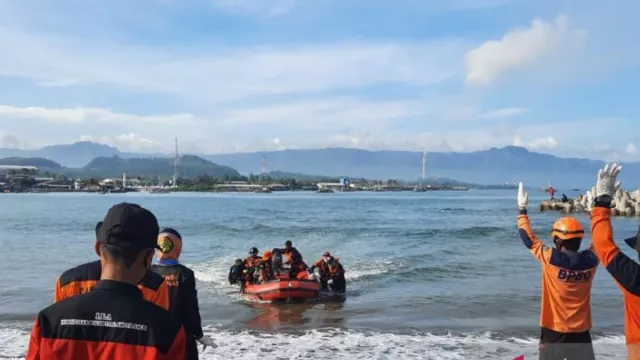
[
  {"x": 264, "y": 190},
  {"x": 325, "y": 191},
  {"x": 159, "y": 191}
]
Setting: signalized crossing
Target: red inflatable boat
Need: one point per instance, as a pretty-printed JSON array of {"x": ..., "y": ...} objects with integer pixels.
[{"x": 283, "y": 289}]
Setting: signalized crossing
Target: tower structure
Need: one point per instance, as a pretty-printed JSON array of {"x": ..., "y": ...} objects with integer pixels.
[
  {"x": 424, "y": 165},
  {"x": 174, "y": 183}
]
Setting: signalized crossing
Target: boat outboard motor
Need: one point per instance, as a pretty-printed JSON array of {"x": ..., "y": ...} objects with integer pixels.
[{"x": 236, "y": 272}]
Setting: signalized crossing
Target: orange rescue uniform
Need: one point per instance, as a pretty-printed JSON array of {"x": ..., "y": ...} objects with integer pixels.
[
  {"x": 566, "y": 283},
  {"x": 625, "y": 272},
  {"x": 81, "y": 279},
  {"x": 251, "y": 261}
]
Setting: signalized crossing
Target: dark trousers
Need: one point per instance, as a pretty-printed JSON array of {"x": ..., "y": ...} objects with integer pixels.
[
  {"x": 339, "y": 283},
  {"x": 570, "y": 346},
  {"x": 192, "y": 347}
]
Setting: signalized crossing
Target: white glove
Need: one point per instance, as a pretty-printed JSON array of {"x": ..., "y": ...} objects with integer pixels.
[
  {"x": 206, "y": 341},
  {"x": 606, "y": 184},
  {"x": 523, "y": 197},
  {"x": 590, "y": 200}
]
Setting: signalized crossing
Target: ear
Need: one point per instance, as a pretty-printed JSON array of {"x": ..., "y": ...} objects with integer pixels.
[
  {"x": 148, "y": 258},
  {"x": 96, "y": 247}
]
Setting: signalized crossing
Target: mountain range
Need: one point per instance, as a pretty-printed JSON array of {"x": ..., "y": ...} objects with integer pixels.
[
  {"x": 492, "y": 166},
  {"x": 114, "y": 166}
]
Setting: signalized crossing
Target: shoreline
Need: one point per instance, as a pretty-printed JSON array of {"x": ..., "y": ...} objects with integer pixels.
[{"x": 242, "y": 190}]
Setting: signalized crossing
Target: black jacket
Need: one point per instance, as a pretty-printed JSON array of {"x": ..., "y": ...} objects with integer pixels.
[
  {"x": 112, "y": 320},
  {"x": 183, "y": 296}
]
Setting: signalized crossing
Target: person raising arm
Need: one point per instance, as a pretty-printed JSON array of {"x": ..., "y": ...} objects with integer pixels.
[
  {"x": 624, "y": 270},
  {"x": 567, "y": 276}
]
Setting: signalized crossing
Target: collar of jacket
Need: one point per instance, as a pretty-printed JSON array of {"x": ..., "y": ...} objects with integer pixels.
[
  {"x": 120, "y": 287},
  {"x": 168, "y": 262}
]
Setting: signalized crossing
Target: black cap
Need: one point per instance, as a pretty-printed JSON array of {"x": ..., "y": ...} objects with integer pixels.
[{"x": 129, "y": 225}]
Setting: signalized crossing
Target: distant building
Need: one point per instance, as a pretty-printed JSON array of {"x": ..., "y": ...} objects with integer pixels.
[
  {"x": 333, "y": 186},
  {"x": 5, "y": 169},
  {"x": 56, "y": 184}
]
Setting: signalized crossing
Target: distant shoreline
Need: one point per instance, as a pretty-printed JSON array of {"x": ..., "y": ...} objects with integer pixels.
[{"x": 179, "y": 190}]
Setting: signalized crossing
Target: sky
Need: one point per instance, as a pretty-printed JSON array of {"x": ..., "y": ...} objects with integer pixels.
[{"x": 559, "y": 77}]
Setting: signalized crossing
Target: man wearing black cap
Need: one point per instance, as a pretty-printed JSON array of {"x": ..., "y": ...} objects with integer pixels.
[
  {"x": 294, "y": 258},
  {"x": 112, "y": 320},
  {"x": 83, "y": 278}
]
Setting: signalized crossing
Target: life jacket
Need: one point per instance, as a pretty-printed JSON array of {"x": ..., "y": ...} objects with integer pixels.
[
  {"x": 251, "y": 261},
  {"x": 264, "y": 270},
  {"x": 327, "y": 270},
  {"x": 293, "y": 256}
]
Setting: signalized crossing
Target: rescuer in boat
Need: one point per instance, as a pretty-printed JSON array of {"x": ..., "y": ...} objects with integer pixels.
[
  {"x": 183, "y": 296},
  {"x": 567, "y": 276},
  {"x": 263, "y": 270},
  {"x": 331, "y": 273},
  {"x": 623, "y": 269},
  {"x": 294, "y": 258},
  {"x": 253, "y": 257}
]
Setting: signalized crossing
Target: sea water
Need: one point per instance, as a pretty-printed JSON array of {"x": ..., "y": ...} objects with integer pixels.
[{"x": 432, "y": 275}]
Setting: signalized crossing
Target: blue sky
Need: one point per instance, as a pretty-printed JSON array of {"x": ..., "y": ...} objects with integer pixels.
[{"x": 240, "y": 75}]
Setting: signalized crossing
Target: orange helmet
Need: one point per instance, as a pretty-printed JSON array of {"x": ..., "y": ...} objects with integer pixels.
[
  {"x": 266, "y": 255},
  {"x": 567, "y": 228}
]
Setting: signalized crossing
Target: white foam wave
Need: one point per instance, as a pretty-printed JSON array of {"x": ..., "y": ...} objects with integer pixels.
[
  {"x": 364, "y": 268},
  {"x": 339, "y": 344},
  {"x": 215, "y": 273}
]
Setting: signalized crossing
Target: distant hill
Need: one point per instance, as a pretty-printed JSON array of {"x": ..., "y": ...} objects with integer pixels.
[
  {"x": 190, "y": 166},
  {"x": 40, "y": 163},
  {"x": 492, "y": 166},
  {"x": 72, "y": 155},
  {"x": 114, "y": 166}
]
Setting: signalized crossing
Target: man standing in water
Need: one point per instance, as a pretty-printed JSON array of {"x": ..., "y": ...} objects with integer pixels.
[
  {"x": 567, "y": 276},
  {"x": 624, "y": 270},
  {"x": 112, "y": 321}
]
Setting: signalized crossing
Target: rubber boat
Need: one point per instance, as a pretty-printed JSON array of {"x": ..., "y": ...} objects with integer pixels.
[{"x": 284, "y": 289}]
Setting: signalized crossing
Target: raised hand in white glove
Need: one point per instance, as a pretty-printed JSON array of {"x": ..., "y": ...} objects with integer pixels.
[
  {"x": 606, "y": 185},
  {"x": 590, "y": 200},
  {"x": 206, "y": 341},
  {"x": 523, "y": 197}
]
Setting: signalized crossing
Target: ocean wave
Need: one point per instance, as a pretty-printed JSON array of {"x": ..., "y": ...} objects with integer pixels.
[{"x": 352, "y": 344}]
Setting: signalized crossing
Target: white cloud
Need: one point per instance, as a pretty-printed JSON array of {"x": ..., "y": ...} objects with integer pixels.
[
  {"x": 213, "y": 75},
  {"x": 9, "y": 140},
  {"x": 521, "y": 48},
  {"x": 124, "y": 142},
  {"x": 542, "y": 143},
  {"x": 79, "y": 115},
  {"x": 325, "y": 112},
  {"x": 631, "y": 149},
  {"x": 502, "y": 113},
  {"x": 269, "y": 8}
]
